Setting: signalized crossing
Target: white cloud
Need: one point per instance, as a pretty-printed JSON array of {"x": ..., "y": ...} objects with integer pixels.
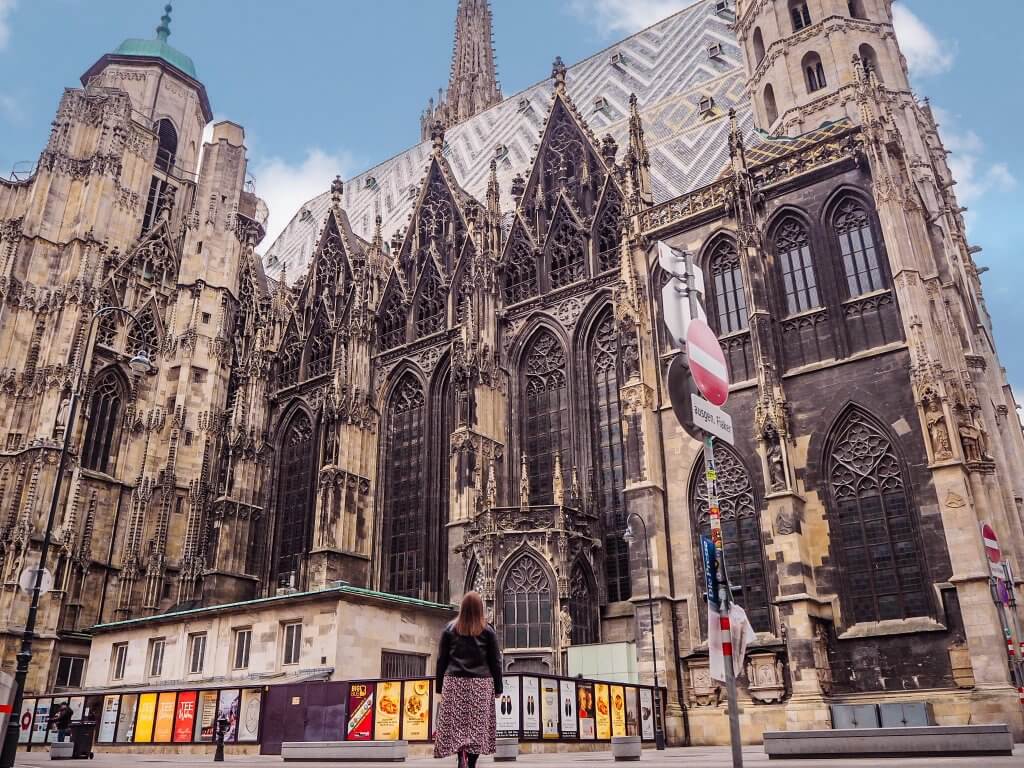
[
  {"x": 926, "y": 54},
  {"x": 625, "y": 16},
  {"x": 6, "y": 7},
  {"x": 10, "y": 108},
  {"x": 285, "y": 186},
  {"x": 975, "y": 178}
]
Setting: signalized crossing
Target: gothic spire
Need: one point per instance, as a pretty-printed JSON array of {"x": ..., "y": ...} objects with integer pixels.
[
  {"x": 473, "y": 83},
  {"x": 164, "y": 30}
]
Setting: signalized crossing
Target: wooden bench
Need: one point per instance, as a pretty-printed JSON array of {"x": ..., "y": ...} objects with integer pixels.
[
  {"x": 345, "y": 751},
  {"x": 925, "y": 741}
]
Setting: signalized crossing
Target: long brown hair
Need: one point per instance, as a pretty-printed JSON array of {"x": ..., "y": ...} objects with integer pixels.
[{"x": 470, "y": 621}]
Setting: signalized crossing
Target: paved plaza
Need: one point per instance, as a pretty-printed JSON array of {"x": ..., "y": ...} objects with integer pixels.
[{"x": 693, "y": 757}]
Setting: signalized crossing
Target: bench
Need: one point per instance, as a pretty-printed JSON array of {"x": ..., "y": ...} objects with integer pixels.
[
  {"x": 345, "y": 751},
  {"x": 506, "y": 750},
  {"x": 62, "y": 750},
  {"x": 925, "y": 741},
  {"x": 626, "y": 748}
]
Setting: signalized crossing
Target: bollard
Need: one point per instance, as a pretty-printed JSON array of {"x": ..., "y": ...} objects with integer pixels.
[{"x": 222, "y": 727}]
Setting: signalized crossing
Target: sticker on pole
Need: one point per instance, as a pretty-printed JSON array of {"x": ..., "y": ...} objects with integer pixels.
[
  {"x": 988, "y": 538},
  {"x": 707, "y": 362},
  {"x": 27, "y": 580}
]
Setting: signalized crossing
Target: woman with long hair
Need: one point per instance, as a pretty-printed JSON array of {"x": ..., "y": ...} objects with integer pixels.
[{"x": 468, "y": 681}]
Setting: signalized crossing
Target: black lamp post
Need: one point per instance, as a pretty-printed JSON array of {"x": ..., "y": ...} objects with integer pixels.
[
  {"x": 139, "y": 364},
  {"x": 222, "y": 729},
  {"x": 630, "y": 538}
]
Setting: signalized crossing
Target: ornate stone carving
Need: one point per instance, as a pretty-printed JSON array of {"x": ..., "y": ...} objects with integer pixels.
[
  {"x": 702, "y": 691},
  {"x": 765, "y": 681},
  {"x": 938, "y": 431}
]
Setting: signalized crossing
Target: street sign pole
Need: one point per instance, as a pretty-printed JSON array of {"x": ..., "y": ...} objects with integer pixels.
[
  {"x": 725, "y": 599},
  {"x": 1011, "y": 604}
]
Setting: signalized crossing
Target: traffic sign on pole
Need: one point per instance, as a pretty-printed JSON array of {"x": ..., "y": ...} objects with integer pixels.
[
  {"x": 686, "y": 282},
  {"x": 988, "y": 538},
  {"x": 707, "y": 362},
  {"x": 27, "y": 580}
]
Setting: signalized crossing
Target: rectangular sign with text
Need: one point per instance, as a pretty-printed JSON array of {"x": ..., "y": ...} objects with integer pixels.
[{"x": 712, "y": 419}]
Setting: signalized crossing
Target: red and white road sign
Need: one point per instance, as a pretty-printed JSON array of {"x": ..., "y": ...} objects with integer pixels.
[
  {"x": 988, "y": 538},
  {"x": 707, "y": 362}
]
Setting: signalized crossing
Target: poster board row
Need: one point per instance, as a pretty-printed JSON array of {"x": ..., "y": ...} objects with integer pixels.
[{"x": 157, "y": 717}]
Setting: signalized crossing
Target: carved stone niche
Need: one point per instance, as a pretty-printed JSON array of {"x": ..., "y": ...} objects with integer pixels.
[
  {"x": 701, "y": 690},
  {"x": 765, "y": 681}
]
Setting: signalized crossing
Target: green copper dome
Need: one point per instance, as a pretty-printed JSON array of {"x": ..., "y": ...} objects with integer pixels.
[{"x": 158, "y": 48}]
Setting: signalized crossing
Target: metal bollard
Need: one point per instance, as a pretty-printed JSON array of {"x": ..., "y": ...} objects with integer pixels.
[{"x": 222, "y": 728}]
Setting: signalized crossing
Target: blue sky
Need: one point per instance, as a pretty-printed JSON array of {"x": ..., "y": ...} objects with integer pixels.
[{"x": 334, "y": 86}]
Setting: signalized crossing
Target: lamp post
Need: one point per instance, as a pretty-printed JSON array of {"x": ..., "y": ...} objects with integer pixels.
[
  {"x": 630, "y": 538},
  {"x": 139, "y": 364}
]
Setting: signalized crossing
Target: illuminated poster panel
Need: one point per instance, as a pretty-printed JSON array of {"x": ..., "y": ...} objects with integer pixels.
[
  {"x": 567, "y": 709},
  {"x": 416, "y": 710},
  {"x": 603, "y": 709},
  {"x": 185, "y": 716},
  {"x": 506, "y": 708}
]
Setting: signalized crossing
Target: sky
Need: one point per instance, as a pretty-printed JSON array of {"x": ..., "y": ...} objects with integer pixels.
[{"x": 327, "y": 87}]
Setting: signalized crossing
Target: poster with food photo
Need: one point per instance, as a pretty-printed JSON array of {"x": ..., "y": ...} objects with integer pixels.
[
  {"x": 603, "y": 712},
  {"x": 618, "y": 701},
  {"x": 506, "y": 709},
  {"x": 531, "y": 708},
  {"x": 567, "y": 705},
  {"x": 416, "y": 710},
  {"x": 646, "y": 714},
  {"x": 360, "y": 712},
  {"x": 585, "y": 706},
  {"x": 386, "y": 719},
  {"x": 144, "y": 719}
]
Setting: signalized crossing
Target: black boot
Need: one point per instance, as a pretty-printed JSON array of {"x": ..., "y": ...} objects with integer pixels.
[{"x": 472, "y": 760}]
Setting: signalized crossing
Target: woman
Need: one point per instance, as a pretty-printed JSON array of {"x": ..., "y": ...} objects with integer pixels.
[{"x": 468, "y": 681}]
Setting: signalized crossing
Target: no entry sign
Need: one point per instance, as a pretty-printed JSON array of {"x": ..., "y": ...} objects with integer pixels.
[
  {"x": 707, "y": 362},
  {"x": 988, "y": 538}
]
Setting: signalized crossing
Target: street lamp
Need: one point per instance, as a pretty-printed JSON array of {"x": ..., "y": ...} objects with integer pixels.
[
  {"x": 630, "y": 538},
  {"x": 139, "y": 364}
]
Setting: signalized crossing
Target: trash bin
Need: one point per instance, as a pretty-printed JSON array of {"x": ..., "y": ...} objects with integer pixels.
[{"x": 81, "y": 737}]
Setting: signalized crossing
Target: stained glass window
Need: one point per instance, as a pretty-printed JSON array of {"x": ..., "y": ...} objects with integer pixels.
[
  {"x": 295, "y": 494},
  {"x": 526, "y": 605},
  {"x": 567, "y": 253},
  {"x": 142, "y": 336},
  {"x": 392, "y": 322},
  {"x": 520, "y": 272},
  {"x": 431, "y": 304},
  {"x": 793, "y": 250},
  {"x": 874, "y": 528},
  {"x": 729, "y": 301},
  {"x": 546, "y": 415},
  {"x": 582, "y": 608},
  {"x": 104, "y": 423},
  {"x": 609, "y": 231},
  {"x": 857, "y": 246}
]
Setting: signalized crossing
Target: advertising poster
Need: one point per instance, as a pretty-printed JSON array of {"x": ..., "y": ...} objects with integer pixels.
[
  {"x": 416, "y": 710},
  {"x": 108, "y": 720},
  {"x": 549, "y": 708},
  {"x": 632, "y": 713},
  {"x": 77, "y": 708},
  {"x": 41, "y": 720},
  {"x": 25, "y": 721},
  {"x": 164, "y": 729},
  {"x": 386, "y": 717},
  {"x": 568, "y": 709},
  {"x": 185, "y": 717},
  {"x": 249, "y": 719},
  {"x": 585, "y": 706},
  {"x": 646, "y": 714},
  {"x": 206, "y": 714},
  {"x": 531, "y": 708},
  {"x": 228, "y": 709},
  {"x": 360, "y": 709},
  {"x": 602, "y": 711},
  {"x": 126, "y": 718},
  {"x": 506, "y": 708},
  {"x": 618, "y": 698},
  {"x": 145, "y": 718}
]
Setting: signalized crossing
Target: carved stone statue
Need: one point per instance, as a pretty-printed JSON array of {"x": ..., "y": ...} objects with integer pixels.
[
  {"x": 971, "y": 440},
  {"x": 524, "y": 484},
  {"x": 564, "y": 627},
  {"x": 61, "y": 422},
  {"x": 938, "y": 432},
  {"x": 557, "y": 483},
  {"x": 776, "y": 465}
]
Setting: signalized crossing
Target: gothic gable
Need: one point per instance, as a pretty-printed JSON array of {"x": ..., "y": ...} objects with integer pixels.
[{"x": 153, "y": 262}]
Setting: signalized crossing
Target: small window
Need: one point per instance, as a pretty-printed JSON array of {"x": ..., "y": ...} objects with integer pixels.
[
  {"x": 196, "y": 652},
  {"x": 205, "y": 317},
  {"x": 800, "y": 15},
  {"x": 292, "y": 643},
  {"x": 706, "y": 104},
  {"x": 69, "y": 672},
  {"x": 758, "y": 46},
  {"x": 199, "y": 375},
  {"x": 500, "y": 152},
  {"x": 199, "y": 247},
  {"x": 188, "y": 437},
  {"x": 600, "y": 104},
  {"x": 714, "y": 50},
  {"x": 721, "y": 6},
  {"x": 169, "y": 405},
  {"x": 118, "y": 660},
  {"x": 617, "y": 59},
  {"x": 771, "y": 111},
  {"x": 13, "y": 441},
  {"x": 523, "y": 105},
  {"x": 371, "y": 182},
  {"x": 243, "y": 642},
  {"x": 856, "y": 9},
  {"x": 814, "y": 72},
  {"x": 402, "y": 665},
  {"x": 156, "y": 657}
]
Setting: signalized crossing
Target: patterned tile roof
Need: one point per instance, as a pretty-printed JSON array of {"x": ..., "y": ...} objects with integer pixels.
[{"x": 668, "y": 65}]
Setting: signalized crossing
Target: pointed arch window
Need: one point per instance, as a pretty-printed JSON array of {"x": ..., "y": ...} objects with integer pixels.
[
  {"x": 296, "y": 477},
  {"x": 404, "y": 519},
  {"x": 741, "y": 530},
  {"x": 392, "y": 322},
  {"x": 582, "y": 608},
  {"x": 793, "y": 250},
  {"x": 320, "y": 348},
  {"x": 609, "y": 452},
  {"x": 431, "y": 304},
  {"x": 520, "y": 272},
  {"x": 291, "y": 359},
  {"x": 861, "y": 267},
  {"x": 728, "y": 298},
  {"x": 758, "y": 41},
  {"x": 608, "y": 231},
  {"x": 874, "y": 528},
  {"x": 566, "y": 254},
  {"x": 167, "y": 146},
  {"x": 526, "y": 605},
  {"x": 545, "y": 431},
  {"x": 104, "y": 423},
  {"x": 142, "y": 336}
]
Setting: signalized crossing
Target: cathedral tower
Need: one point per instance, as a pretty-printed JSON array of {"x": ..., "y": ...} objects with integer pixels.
[
  {"x": 473, "y": 84},
  {"x": 799, "y": 58}
]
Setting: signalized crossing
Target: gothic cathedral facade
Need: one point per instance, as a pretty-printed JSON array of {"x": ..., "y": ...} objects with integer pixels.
[{"x": 478, "y": 400}]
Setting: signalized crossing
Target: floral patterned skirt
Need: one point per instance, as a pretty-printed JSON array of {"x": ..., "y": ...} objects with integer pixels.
[{"x": 465, "y": 719}]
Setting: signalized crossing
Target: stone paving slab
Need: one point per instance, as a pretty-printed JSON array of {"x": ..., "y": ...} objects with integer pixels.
[{"x": 693, "y": 757}]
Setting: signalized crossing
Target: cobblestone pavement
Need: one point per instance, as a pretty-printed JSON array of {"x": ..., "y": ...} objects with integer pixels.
[{"x": 693, "y": 757}]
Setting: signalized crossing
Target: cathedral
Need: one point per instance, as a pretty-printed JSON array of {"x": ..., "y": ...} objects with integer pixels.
[{"x": 448, "y": 372}]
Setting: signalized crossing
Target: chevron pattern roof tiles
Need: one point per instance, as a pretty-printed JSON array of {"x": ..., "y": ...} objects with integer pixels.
[{"x": 667, "y": 66}]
